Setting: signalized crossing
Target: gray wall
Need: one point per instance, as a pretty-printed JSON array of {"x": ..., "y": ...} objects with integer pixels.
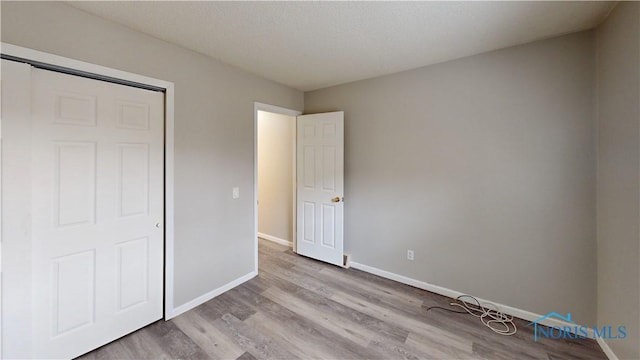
[
  {"x": 214, "y": 237},
  {"x": 618, "y": 113},
  {"x": 485, "y": 167}
]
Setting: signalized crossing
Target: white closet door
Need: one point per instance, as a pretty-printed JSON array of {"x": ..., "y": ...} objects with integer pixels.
[
  {"x": 97, "y": 207},
  {"x": 320, "y": 186}
]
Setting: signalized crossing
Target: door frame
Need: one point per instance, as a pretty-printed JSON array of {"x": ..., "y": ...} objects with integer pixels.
[
  {"x": 99, "y": 71},
  {"x": 258, "y": 106}
]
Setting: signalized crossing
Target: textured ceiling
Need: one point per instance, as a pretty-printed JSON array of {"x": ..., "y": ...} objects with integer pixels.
[{"x": 311, "y": 45}]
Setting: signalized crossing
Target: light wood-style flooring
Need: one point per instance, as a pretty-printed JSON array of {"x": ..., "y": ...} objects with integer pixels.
[{"x": 298, "y": 308}]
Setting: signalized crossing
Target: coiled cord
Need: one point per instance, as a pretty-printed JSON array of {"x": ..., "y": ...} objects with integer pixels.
[{"x": 488, "y": 313}]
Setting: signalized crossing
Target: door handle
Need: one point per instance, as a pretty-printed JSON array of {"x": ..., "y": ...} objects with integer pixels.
[{"x": 335, "y": 199}]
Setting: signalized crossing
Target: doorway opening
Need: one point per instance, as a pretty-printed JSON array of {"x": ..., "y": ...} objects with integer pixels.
[
  {"x": 316, "y": 193},
  {"x": 275, "y": 175}
]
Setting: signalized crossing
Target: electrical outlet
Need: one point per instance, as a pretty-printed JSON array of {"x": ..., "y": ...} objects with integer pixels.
[
  {"x": 235, "y": 193},
  {"x": 410, "y": 255}
]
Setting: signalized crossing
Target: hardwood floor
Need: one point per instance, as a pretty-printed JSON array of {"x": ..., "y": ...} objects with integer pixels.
[{"x": 301, "y": 308}]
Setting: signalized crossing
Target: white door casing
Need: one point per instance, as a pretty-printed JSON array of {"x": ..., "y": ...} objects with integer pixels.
[
  {"x": 16, "y": 196},
  {"x": 97, "y": 212},
  {"x": 320, "y": 186}
]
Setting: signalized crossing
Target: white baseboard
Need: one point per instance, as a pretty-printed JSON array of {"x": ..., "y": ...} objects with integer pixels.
[
  {"x": 515, "y": 312},
  {"x": 607, "y": 350},
  {"x": 210, "y": 295},
  {"x": 274, "y": 239}
]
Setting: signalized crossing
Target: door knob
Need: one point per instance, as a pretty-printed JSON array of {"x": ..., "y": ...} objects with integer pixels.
[
  {"x": 336, "y": 199},
  {"x": 157, "y": 225}
]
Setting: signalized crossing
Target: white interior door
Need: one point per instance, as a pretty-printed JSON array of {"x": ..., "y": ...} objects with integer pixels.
[
  {"x": 320, "y": 186},
  {"x": 97, "y": 211}
]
